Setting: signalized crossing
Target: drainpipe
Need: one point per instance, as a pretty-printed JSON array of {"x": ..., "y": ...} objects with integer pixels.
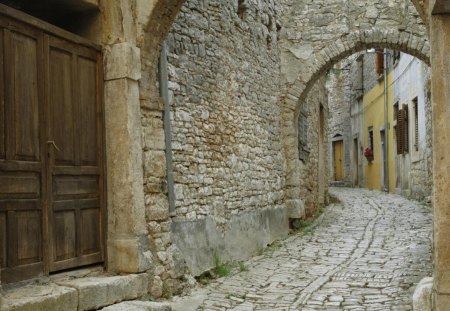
[
  {"x": 386, "y": 123},
  {"x": 164, "y": 92}
]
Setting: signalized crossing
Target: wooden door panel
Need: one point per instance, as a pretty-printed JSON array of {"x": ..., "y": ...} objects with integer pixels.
[
  {"x": 3, "y": 245},
  {"x": 24, "y": 96},
  {"x": 88, "y": 111},
  {"x": 20, "y": 185},
  {"x": 21, "y": 140},
  {"x": 62, "y": 106},
  {"x": 65, "y": 242},
  {"x": 2, "y": 101},
  {"x": 22, "y": 245},
  {"x": 68, "y": 187},
  {"x": 28, "y": 232},
  {"x": 76, "y": 191},
  {"x": 90, "y": 230}
]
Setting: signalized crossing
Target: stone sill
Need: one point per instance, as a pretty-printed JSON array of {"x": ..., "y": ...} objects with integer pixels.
[{"x": 75, "y": 294}]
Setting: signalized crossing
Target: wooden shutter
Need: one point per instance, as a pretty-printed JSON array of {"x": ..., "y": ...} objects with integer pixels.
[
  {"x": 405, "y": 129},
  {"x": 400, "y": 134},
  {"x": 379, "y": 63},
  {"x": 416, "y": 125}
]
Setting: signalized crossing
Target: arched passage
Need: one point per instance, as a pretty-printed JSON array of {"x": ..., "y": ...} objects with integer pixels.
[{"x": 322, "y": 60}]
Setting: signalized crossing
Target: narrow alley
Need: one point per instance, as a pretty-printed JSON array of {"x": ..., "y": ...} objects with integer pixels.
[{"x": 366, "y": 253}]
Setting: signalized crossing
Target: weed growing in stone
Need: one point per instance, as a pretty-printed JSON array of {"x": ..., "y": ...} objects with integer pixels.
[
  {"x": 242, "y": 266},
  {"x": 221, "y": 269}
]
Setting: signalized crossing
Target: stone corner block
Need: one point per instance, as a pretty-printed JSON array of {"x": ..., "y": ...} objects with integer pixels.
[
  {"x": 40, "y": 298},
  {"x": 97, "y": 292},
  {"x": 129, "y": 256},
  {"x": 122, "y": 60},
  {"x": 139, "y": 306},
  {"x": 422, "y": 295},
  {"x": 296, "y": 208}
]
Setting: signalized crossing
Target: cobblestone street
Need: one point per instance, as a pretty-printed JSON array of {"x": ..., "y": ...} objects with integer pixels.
[{"x": 367, "y": 253}]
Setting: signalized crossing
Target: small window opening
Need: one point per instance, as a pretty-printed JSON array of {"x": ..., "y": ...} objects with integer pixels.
[
  {"x": 395, "y": 111},
  {"x": 269, "y": 42},
  {"x": 371, "y": 138},
  {"x": 242, "y": 8}
]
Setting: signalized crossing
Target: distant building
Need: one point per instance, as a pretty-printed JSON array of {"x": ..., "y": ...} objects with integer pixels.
[{"x": 358, "y": 124}]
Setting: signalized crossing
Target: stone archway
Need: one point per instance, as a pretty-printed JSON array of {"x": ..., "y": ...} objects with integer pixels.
[
  {"x": 321, "y": 60},
  {"x": 132, "y": 32}
]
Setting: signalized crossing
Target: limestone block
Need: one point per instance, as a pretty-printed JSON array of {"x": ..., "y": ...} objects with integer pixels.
[
  {"x": 422, "y": 295},
  {"x": 155, "y": 164},
  {"x": 122, "y": 60},
  {"x": 129, "y": 255},
  {"x": 138, "y": 306},
  {"x": 96, "y": 292},
  {"x": 40, "y": 298},
  {"x": 157, "y": 287},
  {"x": 157, "y": 207},
  {"x": 154, "y": 138},
  {"x": 296, "y": 208}
]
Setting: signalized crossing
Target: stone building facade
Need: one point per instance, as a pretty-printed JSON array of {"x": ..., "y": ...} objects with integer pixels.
[
  {"x": 411, "y": 171},
  {"x": 339, "y": 89}
]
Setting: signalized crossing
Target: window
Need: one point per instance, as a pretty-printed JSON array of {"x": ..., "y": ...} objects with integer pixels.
[
  {"x": 416, "y": 124},
  {"x": 402, "y": 130},
  {"x": 371, "y": 138},
  {"x": 396, "y": 57},
  {"x": 395, "y": 111},
  {"x": 379, "y": 62},
  {"x": 242, "y": 8},
  {"x": 303, "y": 136}
]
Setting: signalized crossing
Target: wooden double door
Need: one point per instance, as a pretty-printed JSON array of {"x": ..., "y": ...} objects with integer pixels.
[
  {"x": 51, "y": 149},
  {"x": 338, "y": 160}
]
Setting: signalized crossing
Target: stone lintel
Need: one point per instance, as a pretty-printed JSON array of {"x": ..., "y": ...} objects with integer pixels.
[{"x": 122, "y": 60}]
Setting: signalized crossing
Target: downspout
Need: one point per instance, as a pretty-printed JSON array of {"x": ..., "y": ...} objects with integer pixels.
[
  {"x": 386, "y": 124},
  {"x": 164, "y": 92}
]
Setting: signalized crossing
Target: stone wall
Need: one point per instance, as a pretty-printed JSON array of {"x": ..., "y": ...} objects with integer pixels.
[
  {"x": 227, "y": 157},
  {"x": 313, "y": 171},
  {"x": 339, "y": 86}
]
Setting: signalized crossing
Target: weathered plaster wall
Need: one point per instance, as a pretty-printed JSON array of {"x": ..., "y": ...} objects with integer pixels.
[{"x": 413, "y": 170}]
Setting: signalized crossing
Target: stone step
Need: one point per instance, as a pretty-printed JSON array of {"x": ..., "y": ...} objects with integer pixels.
[
  {"x": 79, "y": 294},
  {"x": 138, "y": 306}
]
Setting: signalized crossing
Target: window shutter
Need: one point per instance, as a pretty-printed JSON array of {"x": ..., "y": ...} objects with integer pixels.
[
  {"x": 416, "y": 126},
  {"x": 405, "y": 130},
  {"x": 379, "y": 63},
  {"x": 400, "y": 134}
]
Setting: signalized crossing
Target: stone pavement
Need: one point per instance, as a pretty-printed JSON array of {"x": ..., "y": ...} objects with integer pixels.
[{"x": 367, "y": 253}]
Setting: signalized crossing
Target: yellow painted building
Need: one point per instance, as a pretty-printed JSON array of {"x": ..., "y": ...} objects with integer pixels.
[{"x": 374, "y": 125}]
